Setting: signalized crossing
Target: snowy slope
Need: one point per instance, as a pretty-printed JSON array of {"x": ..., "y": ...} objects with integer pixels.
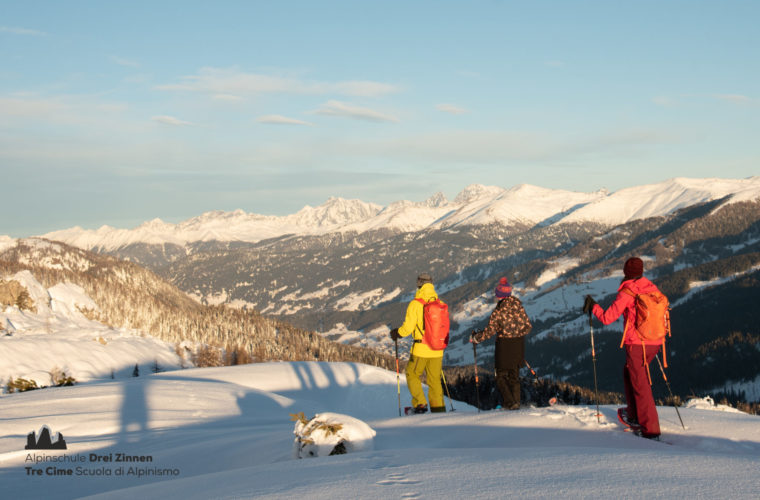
[
  {"x": 225, "y": 433},
  {"x": 664, "y": 198},
  {"x": 59, "y": 336},
  {"x": 523, "y": 205}
]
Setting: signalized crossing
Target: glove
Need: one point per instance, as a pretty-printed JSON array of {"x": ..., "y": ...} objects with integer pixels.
[
  {"x": 394, "y": 335},
  {"x": 588, "y": 304}
]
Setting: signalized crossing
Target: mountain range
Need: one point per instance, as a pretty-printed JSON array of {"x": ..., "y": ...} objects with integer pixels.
[
  {"x": 522, "y": 206},
  {"x": 346, "y": 269}
]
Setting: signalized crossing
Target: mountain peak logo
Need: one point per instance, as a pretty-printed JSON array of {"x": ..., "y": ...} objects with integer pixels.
[{"x": 42, "y": 440}]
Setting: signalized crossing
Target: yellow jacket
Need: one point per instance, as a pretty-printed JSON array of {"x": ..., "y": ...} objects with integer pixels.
[{"x": 413, "y": 323}]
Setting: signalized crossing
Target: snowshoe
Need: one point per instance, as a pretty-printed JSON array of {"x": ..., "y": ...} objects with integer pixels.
[
  {"x": 626, "y": 420},
  {"x": 653, "y": 437},
  {"x": 409, "y": 410}
]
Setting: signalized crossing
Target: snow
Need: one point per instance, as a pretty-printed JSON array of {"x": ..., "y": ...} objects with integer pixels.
[
  {"x": 319, "y": 436},
  {"x": 59, "y": 337},
  {"x": 217, "y": 298},
  {"x": 39, "y": 295},
  {"x": 359, "y": 301},
  {"x": 224, "y": 226},
  {"x": 318, "y": 294},
  {"x": 6, "y": 242},
  {"x": 475, "y": 205},
  {"x": 696, "y": 287},
  {"x": 556, "y": 269},
  {"x": 68, "y": 299},
  {"x": 226, "y": 433},
  {"x": 664, "y": 198},
  {"x": 751, "y": 388}
]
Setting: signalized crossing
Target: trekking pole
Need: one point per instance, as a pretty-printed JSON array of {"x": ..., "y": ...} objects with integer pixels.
[
  {"x": 593, "y": 357},
  {"x": 398, "y": 380},
  {"x": 477, "y": 387},
  {"x": 532, "y": 371},
  {"x": 665, "y": 378},
  {"x": 447, "y": 389}
]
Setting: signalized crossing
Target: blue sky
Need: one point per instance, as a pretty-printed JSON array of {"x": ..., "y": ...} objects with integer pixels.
[{"x": 120, "y": 112}]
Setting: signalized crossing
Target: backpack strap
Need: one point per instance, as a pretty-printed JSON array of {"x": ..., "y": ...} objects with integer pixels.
[
  {"x": 629, "y": 292},
  {"x": 421, "y": 301},
  {"x": 625, "y": 326},
  {"x": 644, "y": 354},
  {"x": 667, "y": 328}
]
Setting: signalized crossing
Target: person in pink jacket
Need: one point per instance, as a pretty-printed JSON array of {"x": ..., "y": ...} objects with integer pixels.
[{"x": 640, "y": 412}]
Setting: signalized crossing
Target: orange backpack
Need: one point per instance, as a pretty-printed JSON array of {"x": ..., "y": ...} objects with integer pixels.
[
  {"x": 652, "y": 317},
  {"x": 435, "y": 316}
]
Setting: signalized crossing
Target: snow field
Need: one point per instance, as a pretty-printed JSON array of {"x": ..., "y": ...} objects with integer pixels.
[
  {"x": 228, "y": 433},
  {"x": 59, "y": 336}
]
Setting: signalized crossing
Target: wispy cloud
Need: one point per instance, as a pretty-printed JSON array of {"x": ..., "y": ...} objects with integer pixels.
[
  {"x": 664, "y": 101},
  {"x": 736, "y": 99},
  {"x": 31, "y": 106},
  {"x": 500, "y": 147},
  {"x": 125, "y": 62},
  {"x": 451, "y": 108},
  {"x": 227, "y": 97},
  {"x": 32, "y": 111},
  {"x": 21, "y": 31},
  {"x": 221, "y": 81},
  {"x": 170, "y": 120},
  {"x": 280, "y": 120},
  {"x": 739, "y": 99},
  {"x": 338, "y": 108}
]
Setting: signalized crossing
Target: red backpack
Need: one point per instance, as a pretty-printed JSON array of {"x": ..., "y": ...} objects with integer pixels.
[{"x": 435, "y": 315}]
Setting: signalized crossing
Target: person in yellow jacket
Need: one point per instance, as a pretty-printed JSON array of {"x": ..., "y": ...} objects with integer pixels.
[{"x": 422, "y": 359}]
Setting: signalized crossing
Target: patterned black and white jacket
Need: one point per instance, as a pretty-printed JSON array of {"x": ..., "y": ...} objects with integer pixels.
[{"x": 508, "y": 320}]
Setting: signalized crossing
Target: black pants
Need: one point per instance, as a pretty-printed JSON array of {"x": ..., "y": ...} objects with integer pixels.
[{"x": 508, "y": 357}]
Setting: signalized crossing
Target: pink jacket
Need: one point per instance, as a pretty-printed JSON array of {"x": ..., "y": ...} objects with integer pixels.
[{"x": 625, "y": 304}]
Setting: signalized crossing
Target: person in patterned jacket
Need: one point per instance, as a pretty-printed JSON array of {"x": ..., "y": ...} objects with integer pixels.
[{"x": 510, "y": 324}]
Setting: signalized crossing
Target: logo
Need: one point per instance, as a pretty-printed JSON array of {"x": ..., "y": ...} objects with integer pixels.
[{"x": 42, "y": 440}]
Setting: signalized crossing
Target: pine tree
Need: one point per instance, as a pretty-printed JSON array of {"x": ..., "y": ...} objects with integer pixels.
[{"x": 136, "y": 371}]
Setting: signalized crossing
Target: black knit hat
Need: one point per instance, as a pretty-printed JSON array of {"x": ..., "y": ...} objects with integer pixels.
[{"x": 423, "y": 278}]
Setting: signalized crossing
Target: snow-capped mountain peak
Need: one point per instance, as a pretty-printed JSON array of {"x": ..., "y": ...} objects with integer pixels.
[
  {"x": 475, "y": 192},
  {"x": 335, "y": 211},
  {"x": 663, "y": 198},
  {"x": 523, "y": 205},
  {"x": 437, "y": 200}
]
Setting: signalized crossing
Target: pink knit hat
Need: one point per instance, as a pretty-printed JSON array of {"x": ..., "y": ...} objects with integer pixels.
[{"x": 503, "y": 289}]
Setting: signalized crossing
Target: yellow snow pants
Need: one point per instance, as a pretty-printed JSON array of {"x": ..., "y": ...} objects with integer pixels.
[{"x": 431, "y": 367}]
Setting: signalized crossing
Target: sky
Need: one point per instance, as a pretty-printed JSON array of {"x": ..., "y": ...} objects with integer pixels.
[{"x": 120, "y": 112}]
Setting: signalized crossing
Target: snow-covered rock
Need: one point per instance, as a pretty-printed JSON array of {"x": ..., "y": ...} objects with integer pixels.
[{"x": 330, "y": 434}]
